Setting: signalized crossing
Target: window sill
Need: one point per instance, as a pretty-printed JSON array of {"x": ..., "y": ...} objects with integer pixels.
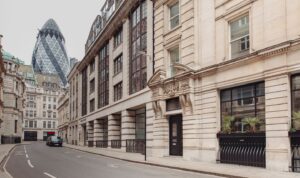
[{"x": 172, "y": 30}]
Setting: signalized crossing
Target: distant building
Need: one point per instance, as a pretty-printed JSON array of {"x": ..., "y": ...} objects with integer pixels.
[
  {"x": 2, "y": 72},
  {"x": 12, "y": 99},
  {"x": 73, "y": 61},
  {"x": 63, "y": 116},
  {"x": 49, "y": 54},
  {"x": 40, "y": 113}
]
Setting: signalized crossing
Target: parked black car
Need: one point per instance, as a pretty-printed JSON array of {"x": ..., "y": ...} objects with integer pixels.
[{"x": 54, "y": 141}]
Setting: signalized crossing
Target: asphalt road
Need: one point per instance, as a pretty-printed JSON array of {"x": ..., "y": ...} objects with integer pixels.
[{"x": 40, "y": 161}]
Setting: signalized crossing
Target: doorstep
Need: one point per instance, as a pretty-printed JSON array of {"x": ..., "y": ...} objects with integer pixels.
[{"x": 226, "y": 170}]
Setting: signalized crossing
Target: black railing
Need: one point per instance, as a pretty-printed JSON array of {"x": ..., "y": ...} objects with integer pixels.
[
  {"x": 90, "y": 143},
  {"x": 115, "y": 143},
  {"x": 102, "y": 143},
  {"x": 295, "y": 148},
  {"x": 135, "y": 146},
  {"x": 243, "y": 149},
  {"x": 9, "y": 139}
]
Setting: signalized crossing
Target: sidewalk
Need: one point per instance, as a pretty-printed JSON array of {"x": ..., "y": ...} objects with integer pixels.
[
  {"x": 4, "y": 151},
  {"x": 226, "y": 170}
]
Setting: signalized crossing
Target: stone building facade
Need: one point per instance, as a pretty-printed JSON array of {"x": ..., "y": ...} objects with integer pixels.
[
  {"x": 40, "y": 113},
  {"x": 63, "y": 115},
  {"x": 13, "y": 98},
  {"x": 109, "y": 97},
  {"x": 226, "y": 81},
  {"x": 2, "y": 73}
]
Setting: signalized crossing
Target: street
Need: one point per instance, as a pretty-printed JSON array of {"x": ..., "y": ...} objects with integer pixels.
[{"x": 37, "y": 160}]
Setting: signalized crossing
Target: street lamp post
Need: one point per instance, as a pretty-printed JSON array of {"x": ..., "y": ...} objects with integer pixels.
[{"x": 145, "y": 148}]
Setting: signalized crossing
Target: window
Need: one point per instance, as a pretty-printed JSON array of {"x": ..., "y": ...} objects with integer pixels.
[
  {"x": 34, "y": 113},
  {"x": 92, "y": 105},
  {"x": 239, "y": 37},
  {"x": 53, "y": 124},
  {"x": 27, "y": 113},
  {"x": 30, "y": 113},
  {"x": 92, "y": 67},
  {"x": 92, "y": 86},
  {"x": 174, "y": 58},
  {"x": 54, "y": 114},
  {"x": 35, "y": 124},
  {"x": 84, "y": 92},
  {"x": 44, "y": 124},
  {"x": 54, "y": 99},
  {"x": 49, "y": 114},
  {"x": 118, "y": 38},
  {"x": 137, "y": 61},
  {"x": 118, "y": 62},
  {"x": 54, "y": 106},
  {"x": 295, "y": 97},
  {"x": 242, "y": 102},
  {"x": 44, "y": 113},
  {"x": 44, "y": 106},
  {"x": 140, "y": 117},
  {"x": 103, "y": 79},
  {"x": 26, "y": 123},
  {"x": 30, "y": 124},
  {"x": 174, "y": 15},
  {"x": 44, "y": 98},
  {"x": 118, "y": 91},
  {"x": 16, "y": 126},
  {"x": 49, "y": 124},
  {"x": 49, "y": 98},
  {"x": 49, "y": 106}
]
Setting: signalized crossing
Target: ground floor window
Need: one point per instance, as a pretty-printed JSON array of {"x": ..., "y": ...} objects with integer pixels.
[
  {"x": 140, "y": 118},
  {"x": 243, "y": 108}
]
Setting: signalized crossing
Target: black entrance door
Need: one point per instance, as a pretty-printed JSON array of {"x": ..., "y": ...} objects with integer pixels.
[
  {"x": 175, "y": 125},
  {"x": 30, "y": 135}
]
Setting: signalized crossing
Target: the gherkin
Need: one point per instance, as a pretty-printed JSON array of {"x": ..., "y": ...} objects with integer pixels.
[{"x": 49, "y": 54}]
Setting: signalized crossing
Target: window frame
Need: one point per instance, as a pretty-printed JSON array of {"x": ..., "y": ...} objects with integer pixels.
[
  {"x": 172, "y": 18},
  {"x": 118, "y": 64},
  {"x": 248, "y": 41},
  {"x": 118, "y": 91},
  {"x": 231, "y": 100}
]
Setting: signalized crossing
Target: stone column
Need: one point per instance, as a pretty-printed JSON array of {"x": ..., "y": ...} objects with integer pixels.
[
  {"x": 114, "y": 128},
  {"x": 90, "y": 131},
  {"x": 127, "y": 126},
  {"x": 278, "y": 109},
  {"x": 97, "y": 131}
]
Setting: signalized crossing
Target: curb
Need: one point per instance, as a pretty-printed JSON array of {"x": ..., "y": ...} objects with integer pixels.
[
  {"x": 160, "y": 165},
  {"x": 6, "y": 156}
]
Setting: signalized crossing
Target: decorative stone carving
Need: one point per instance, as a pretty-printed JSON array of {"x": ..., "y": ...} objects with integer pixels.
[
  {"x": 157, "y": 108},
  {"x": 186, "y": 103},
  {"x": 171, "y": 88}
]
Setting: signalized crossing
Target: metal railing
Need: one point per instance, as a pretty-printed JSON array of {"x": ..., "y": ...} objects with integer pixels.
[
  {"x": 243, "y": 149},
  {"x": 102, "y": 143},
  {"x": 135, "y": 146},
  {"x": 9, "y": 139},
  {"x": 90, "y": 143},
  {"x": 115, "y": 143},
  {"x": 295, "y": 149}
]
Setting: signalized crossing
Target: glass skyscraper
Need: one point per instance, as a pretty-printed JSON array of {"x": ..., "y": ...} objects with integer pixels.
[{"x": 49, "y": 54}]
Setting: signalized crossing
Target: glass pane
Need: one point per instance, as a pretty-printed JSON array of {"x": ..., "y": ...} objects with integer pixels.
[
  {"x": 174, "y": 55},
  {"x": 260, "y": 89},
  {"x": 296, "y": 82},
  {"x": 296, "y": 101},
  {"x": 174, "y": 130},
  {"x": 239, "y": 28},
  {"x": 243, "y": 92},
  {"x": 174, "y": 10},
  {"x": 240, "y": 47},
  {"x": 226, "y": 95},
  {"x": 174, "y": 21}
]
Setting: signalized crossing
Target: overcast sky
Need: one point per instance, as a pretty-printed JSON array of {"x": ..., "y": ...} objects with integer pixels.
[{"x": 21, "y": 19}]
